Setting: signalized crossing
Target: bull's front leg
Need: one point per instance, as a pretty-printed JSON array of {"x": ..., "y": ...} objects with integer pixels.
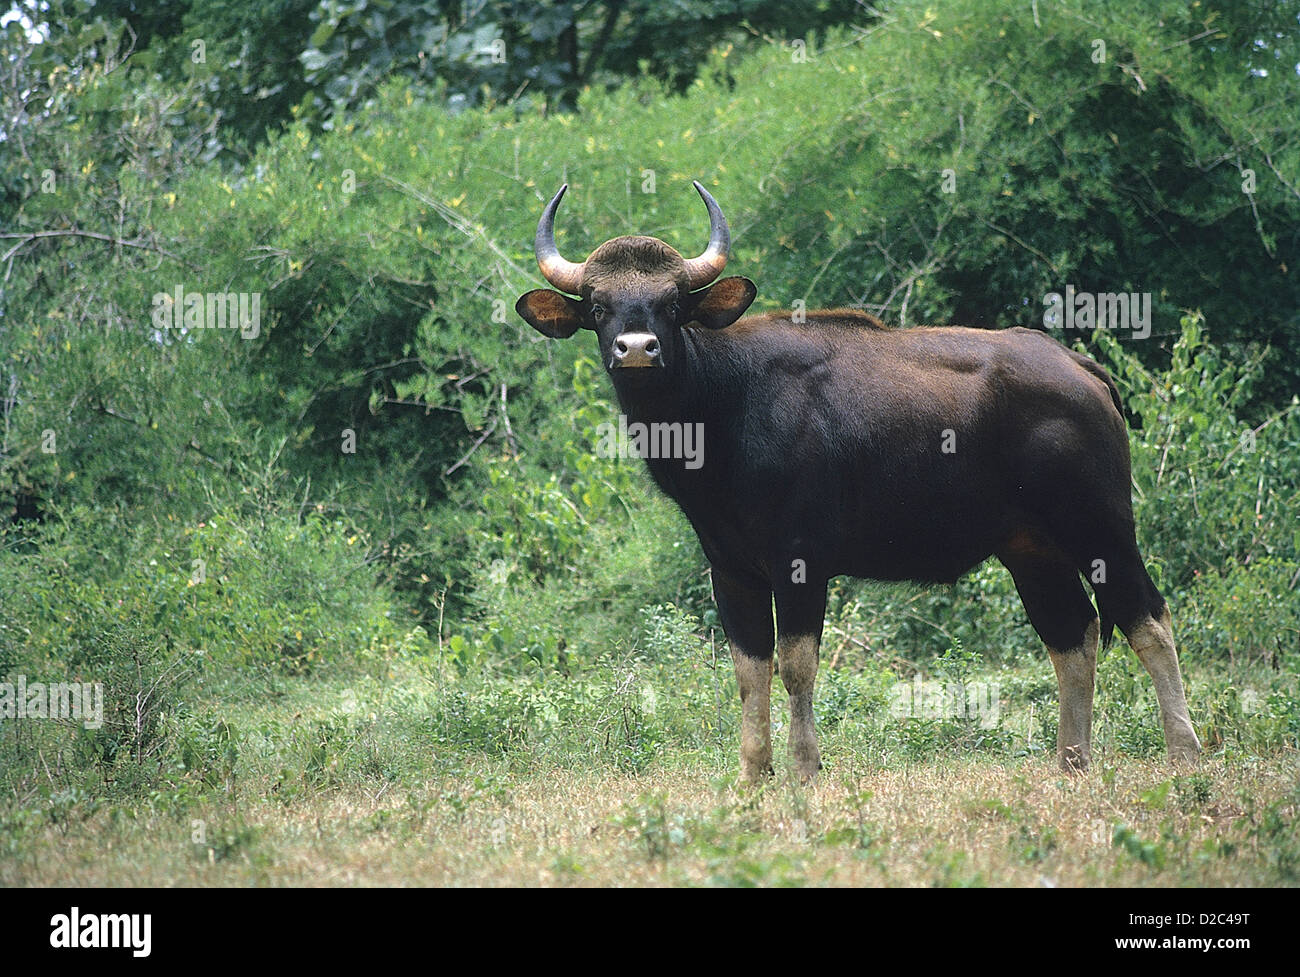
[
  {"x": 745, "y": 608},
  {"x": 800, "y": 614}
]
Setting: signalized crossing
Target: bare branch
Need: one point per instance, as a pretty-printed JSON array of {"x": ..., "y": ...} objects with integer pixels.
[{"x": 27, "y": 237}]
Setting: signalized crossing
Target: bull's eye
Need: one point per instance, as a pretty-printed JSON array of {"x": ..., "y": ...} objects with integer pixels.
[
  {"x": 598, "y": 312},
  {"x": 674, "y": 310}
]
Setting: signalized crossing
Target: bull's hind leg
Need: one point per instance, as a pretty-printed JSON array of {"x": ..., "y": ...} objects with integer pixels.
[
  {"x": 746, "y": 613},
  {"x": 1152, "y": 638},
  {"x": 1129, "y": 599},
  {"x": 1076, "y": 676},
  {"x": 1059, "y": 610},
  {"x": 800, "y": 615}
]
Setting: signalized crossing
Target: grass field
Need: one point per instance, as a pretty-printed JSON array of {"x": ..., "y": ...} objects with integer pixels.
[
  {"x": 418, "y": 778},
  {"x": 935, "y": 824}
]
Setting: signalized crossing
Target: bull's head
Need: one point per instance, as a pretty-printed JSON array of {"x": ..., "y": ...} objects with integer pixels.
[{"x": 635, "y": 293}]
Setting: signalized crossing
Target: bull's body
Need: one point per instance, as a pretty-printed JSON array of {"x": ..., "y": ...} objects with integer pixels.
[
  {"x": 889, "y": 454},
  {"x": 837, "y": 446}
]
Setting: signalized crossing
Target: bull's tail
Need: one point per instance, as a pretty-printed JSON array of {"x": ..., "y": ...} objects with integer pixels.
[
  {"x": 1107, "y": 626},
  {"x": 1119, "y": 608}
]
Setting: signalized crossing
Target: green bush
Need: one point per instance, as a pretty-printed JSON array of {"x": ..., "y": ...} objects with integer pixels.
[{"x": 1211, "y": 490}]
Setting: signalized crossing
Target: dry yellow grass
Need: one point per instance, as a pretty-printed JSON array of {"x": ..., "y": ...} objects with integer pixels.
[{"x": 947, "y": 823}]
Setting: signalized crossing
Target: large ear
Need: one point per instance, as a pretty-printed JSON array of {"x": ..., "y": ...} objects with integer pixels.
[
  {"x": 550, "y": 313},
  {"x": 722, "y": 303}
]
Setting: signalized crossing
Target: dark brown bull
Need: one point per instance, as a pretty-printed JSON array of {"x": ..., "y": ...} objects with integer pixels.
[{"x": 837, "y": 446}]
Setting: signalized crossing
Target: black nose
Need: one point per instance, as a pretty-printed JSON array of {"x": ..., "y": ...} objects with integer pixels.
[{"x": 634, "y": 349}]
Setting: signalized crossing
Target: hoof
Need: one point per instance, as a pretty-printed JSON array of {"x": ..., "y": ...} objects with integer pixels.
[
  {"x": 1185, "y": 755},
  {"x": 806, "y": 767},
  {"x": 752, "y": 774},
  {"x": 1074, "y": 760},
  {"x": 809, "y": 777},
  {"x": 1183, "y": 746}
]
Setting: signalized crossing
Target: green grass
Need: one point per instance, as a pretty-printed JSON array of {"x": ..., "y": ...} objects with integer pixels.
[{"x": 623, "y": 774}]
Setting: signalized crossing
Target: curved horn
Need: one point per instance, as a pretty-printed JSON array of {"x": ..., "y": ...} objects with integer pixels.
[
  {"x": 703, "y": 270},
  {"x": 563, "y": 274}
]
